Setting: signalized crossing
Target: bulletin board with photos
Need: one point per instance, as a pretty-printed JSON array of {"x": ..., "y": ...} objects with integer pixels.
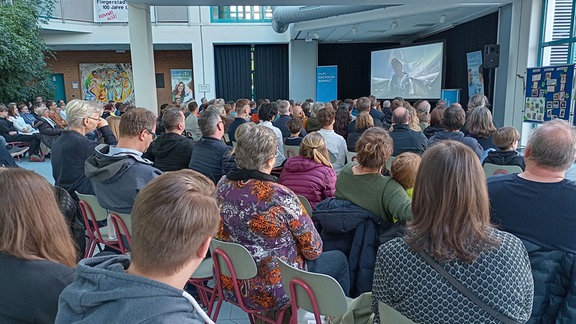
[{"x": 549, "y": 93}]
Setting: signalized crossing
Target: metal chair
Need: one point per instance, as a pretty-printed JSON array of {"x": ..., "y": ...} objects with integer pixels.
[
  {"x": 234, "y": 261},
  {"x": 122, "y": 231},
  {"x": 200, "y": 279},
  {"x": 313, "y": 292},
  {"x": 350, "y": 156},
  {"x": 491, "y": 170},
  {"x": 92, "y": 213},
  {"x": 304, "y": 201}
]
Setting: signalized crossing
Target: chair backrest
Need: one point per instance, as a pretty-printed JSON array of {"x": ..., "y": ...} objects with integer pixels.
[
  {"x": 124, "y": 237},
  {"x": 390, "y": 315},
  {"x": 291, "y": 151},
  {"x": 351, "y": 156},
  {"x": 495, "y": 169},
  {"x": 99, "y": 212},
  {"x": 240, "y": 259},
  {"x": 313, "y": 292},
  {"x": 389, "y": 162},
  {"x": 304, "y": 201}
]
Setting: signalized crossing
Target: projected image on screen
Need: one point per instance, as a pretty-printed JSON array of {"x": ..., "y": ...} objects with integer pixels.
[{"x": 413, "y": 72}]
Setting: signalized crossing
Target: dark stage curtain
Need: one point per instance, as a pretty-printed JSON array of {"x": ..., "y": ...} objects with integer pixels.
[
  {"x": 271, "y": 71},
  {"x": 232, "y": 67}
]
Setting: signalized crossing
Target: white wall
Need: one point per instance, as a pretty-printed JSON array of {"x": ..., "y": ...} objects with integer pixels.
[{"x": 303, "y": 59}]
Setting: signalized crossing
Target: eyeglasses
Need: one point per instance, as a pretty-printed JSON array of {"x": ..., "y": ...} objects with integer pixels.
[
  {"x": 151, "y": 133},
  {"x": 96, "y": 119}
]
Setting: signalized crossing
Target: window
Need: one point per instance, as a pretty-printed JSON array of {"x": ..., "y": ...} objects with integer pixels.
[
  {"x": 558, "y": 38},
  {"x": 241, "y": 14}
]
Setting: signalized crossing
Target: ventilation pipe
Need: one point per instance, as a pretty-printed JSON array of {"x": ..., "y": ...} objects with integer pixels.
[{"x": 282, "y": 17}]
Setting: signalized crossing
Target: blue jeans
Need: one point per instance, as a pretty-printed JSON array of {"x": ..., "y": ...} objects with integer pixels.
[{"x": 335, "y": 264}]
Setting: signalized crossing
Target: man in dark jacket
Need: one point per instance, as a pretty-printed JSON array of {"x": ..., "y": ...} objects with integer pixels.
[
  {"x": 538, "y": 206},
  {"x": 211, "y": 156},
  {"x": 405, "y": 139},
  {"x": 171, "y": 151}
]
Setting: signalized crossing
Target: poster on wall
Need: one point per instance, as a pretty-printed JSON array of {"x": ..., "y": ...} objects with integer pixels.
[
  {"x": 110, "y": 11},
  {"x": 181, "y": 80},
  {"x": 475, "y": 73},
  {"x": 326, "y": 83},
  {"x": 549, "y": 93},
  {"x": 103, "y": 82}
]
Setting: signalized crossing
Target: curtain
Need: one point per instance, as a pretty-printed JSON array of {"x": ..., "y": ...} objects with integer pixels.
[
  {"x": 232, "y": 67},
  {"x": 271, "y": 72}
]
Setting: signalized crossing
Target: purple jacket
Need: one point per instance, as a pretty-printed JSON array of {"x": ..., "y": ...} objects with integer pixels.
[{"x": 312, "y": 180}]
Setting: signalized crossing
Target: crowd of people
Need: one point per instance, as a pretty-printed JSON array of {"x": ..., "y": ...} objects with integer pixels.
[{"x": 406, "y": 177}]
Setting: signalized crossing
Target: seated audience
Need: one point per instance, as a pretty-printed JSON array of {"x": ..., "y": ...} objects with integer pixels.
[
  {"x": 242, "y": 113},
  {"x": 538, "y": 206},
  {"x": 281, "y": 122},
  {"x": 404, "y": 138},
  {"x": 211, "y": 156},
  {"x": 71, "y": 150},
  {"x": 171, "y": 151},
  {"x": 21, "y": 126},
  {"x": 26, "y": 115},
  {"x": 362, "y": 182},
  {"x": 363, "y": 104},
  {"x": 119, "y": 172},
  {"x": 454, "y": 119},
  {"x": 294, "y": 127},
  {"x": 335, "y": 143},
  {"x": 480, "y": 127},
  {"x": 452, "y": 227},
  {"x": 436, "y": 122},
  {"x": 37, "y": 254},
  {"x": 266, "y": 115},
  {"x": 49, "y": 131},
  {"x": 363, "y": 122},
  {"x": 267, "y": 219},
  {"x": 54, "y": 114},
  {"x": 404, "y": 169},
  {"x": 310, "y": 174},
  {"x": 10, "y": 134},
  {"x": 147, "y": 286},
  {"x": 506, "y": 140}
]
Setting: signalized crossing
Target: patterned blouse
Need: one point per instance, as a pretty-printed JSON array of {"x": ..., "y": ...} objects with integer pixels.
[
  {"x": 268, "y": 219},
  {"x": 501, "y": 278}
]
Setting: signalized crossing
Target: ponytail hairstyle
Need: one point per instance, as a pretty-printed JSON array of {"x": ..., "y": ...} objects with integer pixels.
[{"x": 313, "y": 147}]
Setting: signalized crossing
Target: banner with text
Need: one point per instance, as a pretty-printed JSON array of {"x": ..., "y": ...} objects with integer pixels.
[
  {"x": 326, "y": 83},
  {"x": 110, "y": 11},
  {"x": 475, "y": 73}
]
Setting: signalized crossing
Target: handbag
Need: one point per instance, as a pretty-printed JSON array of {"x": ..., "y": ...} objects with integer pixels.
[{"x": 498, "y": 315}]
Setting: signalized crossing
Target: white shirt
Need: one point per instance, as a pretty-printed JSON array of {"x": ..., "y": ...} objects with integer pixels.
[
  {"x": 280, "y": 152},
  {"x": 336, "y": 146}
]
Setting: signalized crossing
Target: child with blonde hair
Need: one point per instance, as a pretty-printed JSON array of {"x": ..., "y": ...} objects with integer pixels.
[{"x": 404, "y": 169}]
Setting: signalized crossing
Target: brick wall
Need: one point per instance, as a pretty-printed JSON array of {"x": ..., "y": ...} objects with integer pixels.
[{"x": 67, "y": 63}]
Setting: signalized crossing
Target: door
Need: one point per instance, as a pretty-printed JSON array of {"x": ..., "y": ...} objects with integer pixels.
[{"x": 59, "y": 92}]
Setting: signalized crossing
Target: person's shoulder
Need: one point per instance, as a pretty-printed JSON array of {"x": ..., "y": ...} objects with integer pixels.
[{"x": 501, "y": 179}]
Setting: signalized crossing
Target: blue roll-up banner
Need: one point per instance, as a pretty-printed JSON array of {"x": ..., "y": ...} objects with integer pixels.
[{"x": 326, "y": 83}]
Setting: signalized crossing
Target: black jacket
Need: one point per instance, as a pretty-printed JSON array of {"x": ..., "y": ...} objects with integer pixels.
[
  {"x": 211, "y": 158},
  {"x": 354, "y": 231},
  {"x": 170, "y": 152},
  {"x": 407, "y": 140},
  {"x": 48, "y": 133},
  {"x": 505, "y": 158}
]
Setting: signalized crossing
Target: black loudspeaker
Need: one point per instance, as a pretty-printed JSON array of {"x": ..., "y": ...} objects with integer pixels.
[{"x": 491, "y": 56}]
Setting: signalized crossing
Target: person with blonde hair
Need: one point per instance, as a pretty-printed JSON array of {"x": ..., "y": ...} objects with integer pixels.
[
  {"x": 363, "y": 122},
  {"x": 452, "y": 229},
  {"x": 404, "y": 169},
  {"x": 114, "y": 123},
  {"x": 72, "y": 148},
  {"x": 362, "y": 183},
  {"x": 310, "y": 174},
  {"x": 37, "y": 253}
]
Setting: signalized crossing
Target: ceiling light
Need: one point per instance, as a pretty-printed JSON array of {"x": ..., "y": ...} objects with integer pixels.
[
  {"x": 394, "y": 25},
  {"x": 355, "y": 29},
  {"x": 442, "y": 18},
  {"x": 308, "y": 38},
  {"x": 316, "y": 35}
]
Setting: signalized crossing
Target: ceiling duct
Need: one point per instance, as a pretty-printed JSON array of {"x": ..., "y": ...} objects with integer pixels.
[{"x": 282, "y": 17}]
